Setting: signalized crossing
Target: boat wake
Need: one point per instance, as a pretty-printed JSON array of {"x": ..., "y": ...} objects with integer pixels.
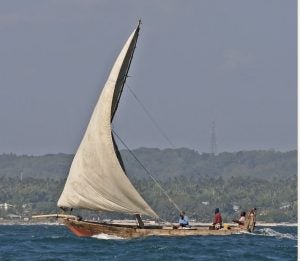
[
  {"x": 272, "y": 233},
  {"x": 107, "y": 237}
]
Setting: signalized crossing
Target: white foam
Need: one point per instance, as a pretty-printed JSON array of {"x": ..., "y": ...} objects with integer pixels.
[
  {"x": 107, "y": 237},
  {"x": 272, "y": 233},
  {"x": 281, "y": 224},
  {"x": 244, "y": 232}
]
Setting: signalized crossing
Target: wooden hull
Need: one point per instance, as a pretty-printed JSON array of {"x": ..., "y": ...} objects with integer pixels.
[{"x": 83, "y": 228}]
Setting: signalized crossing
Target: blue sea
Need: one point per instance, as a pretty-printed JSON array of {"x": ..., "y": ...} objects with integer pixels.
[{"x": 55, "y": 242}]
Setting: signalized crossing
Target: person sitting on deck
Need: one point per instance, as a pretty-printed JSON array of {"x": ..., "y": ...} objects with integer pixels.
[
  {"x": 183, "y": 220},
  {"x": 241, "y": 220},
  {"x": 217, "y": 222}
]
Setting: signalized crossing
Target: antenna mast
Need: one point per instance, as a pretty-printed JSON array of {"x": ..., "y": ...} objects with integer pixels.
[{"x": 213, "y": 140}]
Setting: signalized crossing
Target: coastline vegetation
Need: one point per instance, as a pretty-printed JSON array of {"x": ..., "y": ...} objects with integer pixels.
[{"x": 198, "y": 183}]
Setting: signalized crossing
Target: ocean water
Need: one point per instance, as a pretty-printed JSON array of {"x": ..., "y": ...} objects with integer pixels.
[{"x": 55, "y": 242}]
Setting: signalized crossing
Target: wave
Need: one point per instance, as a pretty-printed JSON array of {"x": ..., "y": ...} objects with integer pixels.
[
  {"x": 272, "y": 233},
  {"x": 107, "y": 237},
  {"x": 280, "y": 224}
]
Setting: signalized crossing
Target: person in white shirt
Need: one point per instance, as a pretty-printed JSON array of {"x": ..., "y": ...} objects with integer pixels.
[{"x": 241, "y": 220}]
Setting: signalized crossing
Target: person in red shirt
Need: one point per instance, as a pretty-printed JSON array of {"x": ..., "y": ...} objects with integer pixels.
[{"x": 217, "y": 222}]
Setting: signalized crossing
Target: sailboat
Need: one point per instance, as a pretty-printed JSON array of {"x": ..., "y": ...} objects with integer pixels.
[{"x": 97, "y": 178}]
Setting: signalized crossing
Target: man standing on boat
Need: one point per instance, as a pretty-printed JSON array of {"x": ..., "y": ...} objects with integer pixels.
[
  {"x": 250, "y": 220},
  {"x": 217, "y": 222},
  {"x": 183, "y": 219}
]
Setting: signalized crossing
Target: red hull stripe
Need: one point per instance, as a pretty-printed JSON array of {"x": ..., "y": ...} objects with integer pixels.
[{"x": 80, "y": 232}]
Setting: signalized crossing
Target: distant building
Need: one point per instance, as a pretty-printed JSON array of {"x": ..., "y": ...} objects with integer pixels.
[
  {"x": 285, "y": 206},
  {"x": 6, "y": 206},
  {"x": 14, "y": 216},
  {"x": 235, "y": 208}
]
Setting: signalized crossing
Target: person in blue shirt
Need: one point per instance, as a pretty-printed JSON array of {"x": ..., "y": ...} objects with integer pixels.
[{"x": 183, "y": 220}]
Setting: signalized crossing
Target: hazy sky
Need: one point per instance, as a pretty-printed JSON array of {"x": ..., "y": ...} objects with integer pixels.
[{"x": 233, "y": 62}]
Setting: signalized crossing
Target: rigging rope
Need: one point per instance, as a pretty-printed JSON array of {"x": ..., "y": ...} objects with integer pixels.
[
  {"x": 148, "y": 172},
  {"x": 150, "y": 117}
]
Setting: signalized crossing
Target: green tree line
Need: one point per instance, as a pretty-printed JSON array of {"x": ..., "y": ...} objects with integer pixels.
[
  {"x": 198, "y": 183},
  {"x": 276, "y": 200},
  {"x": 164, "y": 164}
]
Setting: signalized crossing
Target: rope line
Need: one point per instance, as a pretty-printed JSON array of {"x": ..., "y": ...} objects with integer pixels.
[
  {"x": 148, "y": 172},
  {"x": 151, "y": 117}
]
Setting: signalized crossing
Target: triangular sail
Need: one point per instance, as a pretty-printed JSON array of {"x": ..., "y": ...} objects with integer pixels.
[{"x": 96, "y": 179}]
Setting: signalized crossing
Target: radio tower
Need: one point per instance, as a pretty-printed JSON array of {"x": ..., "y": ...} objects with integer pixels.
[{"x": 213, "y": 140}]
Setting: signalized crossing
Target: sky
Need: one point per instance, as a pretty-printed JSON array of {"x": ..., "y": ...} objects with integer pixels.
[{"x": 230, "y": 62}]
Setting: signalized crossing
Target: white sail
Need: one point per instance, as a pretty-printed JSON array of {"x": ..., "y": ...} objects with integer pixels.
[{"x": 96, "y": 179}]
